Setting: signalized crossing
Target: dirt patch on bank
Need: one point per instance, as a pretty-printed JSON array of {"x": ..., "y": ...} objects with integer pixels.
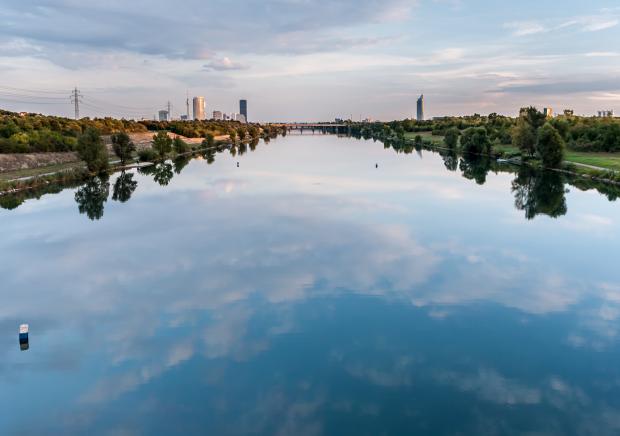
[{"x": 23, "y": 161}]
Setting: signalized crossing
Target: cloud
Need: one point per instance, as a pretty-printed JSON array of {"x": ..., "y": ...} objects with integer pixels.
[
  {"x": 224, "y": 64},
  {"x": 192, "y": 28},
  {"x": 491, "y": 386},
  {"x": 594, "y": 23},
  {"x": 524, "y": 28}
]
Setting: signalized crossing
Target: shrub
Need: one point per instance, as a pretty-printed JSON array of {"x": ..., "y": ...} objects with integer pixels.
[{"x": 147, "y": 155}]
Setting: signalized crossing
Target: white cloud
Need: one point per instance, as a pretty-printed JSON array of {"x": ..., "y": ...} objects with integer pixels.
[{"x": 524, "y": 28}]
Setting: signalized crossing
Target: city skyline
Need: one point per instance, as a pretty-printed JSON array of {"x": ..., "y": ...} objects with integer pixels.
[{"x": 361, "y": 58}]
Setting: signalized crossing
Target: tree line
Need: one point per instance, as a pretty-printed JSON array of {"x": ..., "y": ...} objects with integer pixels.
[{"x": 32, "y": 133}]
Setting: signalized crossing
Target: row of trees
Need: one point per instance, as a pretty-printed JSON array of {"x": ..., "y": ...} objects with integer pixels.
[{"x": 29, "y": 133}]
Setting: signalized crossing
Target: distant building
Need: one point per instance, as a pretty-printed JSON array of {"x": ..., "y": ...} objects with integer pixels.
[
  {"x": 243, "y": 109},
  {"x": 164, "y": 115},
  {"x": 199, "y": 108},
  {"x": 217, "y": 115},
  {"x": 420, "y": 108},
  {"x": 569, "y": 112},
  {"x": 605, "y": 114},
  {"x": 183, "y": 117},
  {"x": 548, "y": 112},
  {"x": 240, "y": 118}
]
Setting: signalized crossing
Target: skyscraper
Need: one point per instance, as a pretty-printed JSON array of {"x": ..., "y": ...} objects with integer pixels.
[
  {"x": 243, "y": 108},
  {"x": 420, "y": 116},
  {"x": 164, "y": 115},
  {"x": 199, "y": 108}
]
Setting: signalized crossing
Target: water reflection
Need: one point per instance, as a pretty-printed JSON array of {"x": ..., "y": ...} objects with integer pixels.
[
  {"x": 474, "y": 167},
  {"x": 539, "y": 192},
  {"x": 92, "y": 195},
  {"x": 536, "y": 192},
  {"x": 312, "y": 301},
  {"x": 124, "y": 186}
]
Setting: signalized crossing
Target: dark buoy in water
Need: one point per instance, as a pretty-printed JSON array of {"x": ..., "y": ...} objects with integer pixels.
[
  {"x": 23, "y": 337},
  {"x": 376, "y": 165},
  {"x": 237, "y": 164}
]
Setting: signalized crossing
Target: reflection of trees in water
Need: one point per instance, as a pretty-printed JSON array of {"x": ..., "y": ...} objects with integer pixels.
[
  {"x": 162, "y": 172},
  {"x": 243, "y": 148},
  {"x": 609, "y": 190},
  {"x": 254, "y": 143},
  {"x": 475, "y": 167},
  {"x": 124, "y": 187},
  {"x": 450, "y": 160},
  {"x": 91, "y": 196},
  {"x": 10, "y": 202},
  {"x": 180, "y": 163},
  {"x": 539, "y": 193}
]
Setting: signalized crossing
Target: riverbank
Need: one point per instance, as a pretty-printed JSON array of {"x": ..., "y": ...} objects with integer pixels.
[
  {"x": 27, "y": 179},
  {"x": 599, "y": 161}
]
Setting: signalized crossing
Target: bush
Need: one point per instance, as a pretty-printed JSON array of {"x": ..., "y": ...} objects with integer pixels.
[
  {"x": 452, "y": 137},
  {"x": 476, "y": 140},
  {"x": 147, "y": 155},
  {"x": 180, "y": 146}
]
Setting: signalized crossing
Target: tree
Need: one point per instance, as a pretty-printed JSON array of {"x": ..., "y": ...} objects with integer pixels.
[
  {"x": 550, "y": 146},
  {"x": 525, "y": 133},
  {"x": 123, "y": 146},
  {"x": 209, "y": 141},
  {"x": 451, "y": 137},
  {"x": 90, "y": 149},
  {"x": 241, "y": 133},
  {"x": 417, "y": 141},
  {"x": 476, "y": 140},
  {"x": 162, "y": 144},
  {"x": 233, "y": 135},
  {"x": 180, "y": 146}
]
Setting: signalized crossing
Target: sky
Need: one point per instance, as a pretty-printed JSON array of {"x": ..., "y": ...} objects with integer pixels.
[{"x": 302, "y": 60}]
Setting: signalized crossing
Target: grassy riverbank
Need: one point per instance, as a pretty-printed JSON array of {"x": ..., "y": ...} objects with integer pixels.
[{"x": 595, "y": 160}]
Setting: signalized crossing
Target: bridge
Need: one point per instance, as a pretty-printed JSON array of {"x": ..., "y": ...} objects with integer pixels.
[{"x": 314, "y": 127}]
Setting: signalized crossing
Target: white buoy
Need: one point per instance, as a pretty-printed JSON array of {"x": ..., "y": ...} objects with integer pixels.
[{"x": 23, "y": 333}]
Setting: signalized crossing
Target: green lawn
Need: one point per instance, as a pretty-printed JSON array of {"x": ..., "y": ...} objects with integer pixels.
[
  {"x": 437, "y": 140},
  {"x": 603, "y": 160}
]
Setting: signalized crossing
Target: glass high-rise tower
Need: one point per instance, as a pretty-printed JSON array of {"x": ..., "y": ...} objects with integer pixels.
[
  {"x": 420, "y": 114},
  {"x": 243, "y": 108}
]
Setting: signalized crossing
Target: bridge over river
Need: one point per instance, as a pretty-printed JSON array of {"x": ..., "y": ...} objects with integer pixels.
[{"x": 323, "y": 128}]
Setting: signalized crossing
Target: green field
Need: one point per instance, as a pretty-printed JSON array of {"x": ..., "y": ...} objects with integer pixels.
[
  {"x": 608, "y": 161},
  {"x": 602, "y": 160},
  {"x": 437, "y": 140}
]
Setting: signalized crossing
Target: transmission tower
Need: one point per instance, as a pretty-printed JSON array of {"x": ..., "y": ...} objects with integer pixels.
[{"x": 76, "y": 99}]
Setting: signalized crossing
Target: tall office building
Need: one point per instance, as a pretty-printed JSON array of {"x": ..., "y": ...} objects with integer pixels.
[
  {"x": 217, "y": 115},
  {"x": 243, "y": 108},
  {"x": 420, "y": 115},
  {"x": 164, "y": 115},
  {"x": 548, "y": 112},
  {"x": 199, "y": 108}
]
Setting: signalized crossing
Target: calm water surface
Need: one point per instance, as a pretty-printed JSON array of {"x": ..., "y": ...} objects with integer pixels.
[{"x": 308, "y": 292}]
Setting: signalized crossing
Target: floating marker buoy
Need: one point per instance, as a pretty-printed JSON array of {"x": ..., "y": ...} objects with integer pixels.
[
  {"x": 237, "y": 164},
  {"x": 23, "y": 337}
]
